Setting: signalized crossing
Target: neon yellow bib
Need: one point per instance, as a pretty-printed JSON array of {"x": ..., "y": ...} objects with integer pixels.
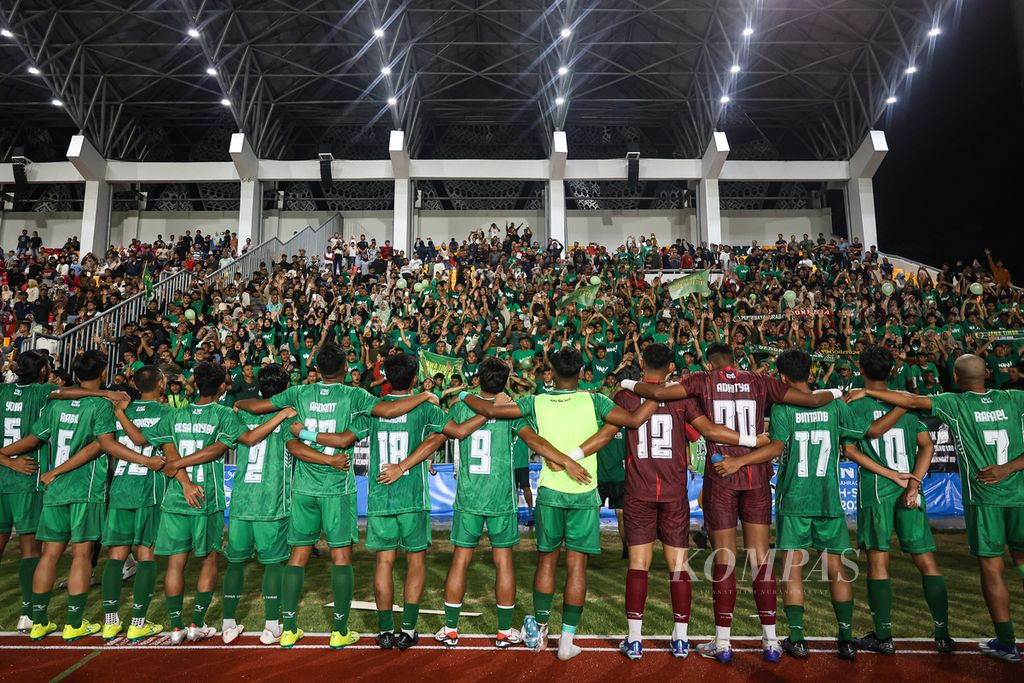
[{"x": 566, "y": 420}]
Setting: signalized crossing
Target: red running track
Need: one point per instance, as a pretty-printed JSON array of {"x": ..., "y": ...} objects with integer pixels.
[{"x": 474, "y": 660}]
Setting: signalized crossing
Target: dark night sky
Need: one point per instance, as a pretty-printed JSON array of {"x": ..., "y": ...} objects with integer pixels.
[{"x": 952, "y": 183}]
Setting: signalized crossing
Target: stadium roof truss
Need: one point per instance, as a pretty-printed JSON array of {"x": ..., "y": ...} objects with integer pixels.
[{"x": 469, "y": 78}]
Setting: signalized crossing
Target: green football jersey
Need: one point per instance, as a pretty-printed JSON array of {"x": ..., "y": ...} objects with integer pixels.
[
  {"x": 70, "y": 426},
  {"x": 987, "y": 430},
  {"x": 324, "y": 407},
  {"x": 896, "y": 449},
  {"x": 807, "y": 483},
  {"x": 611, "y": 460},
  {"x": 391, "y": 442},
  {"x": 136, "y": 486},
  {"x": 263, "y": 478},
  {"x": 20, "y": 406},
  {"x": 520, "y": 453},
  {"x": 191, "y": 429},
  {"x": 485, "y": 464}
]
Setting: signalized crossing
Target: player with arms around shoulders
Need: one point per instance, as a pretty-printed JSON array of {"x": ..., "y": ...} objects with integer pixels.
[
  {"x": 133, "y": 515},
  {"x": 192, "y": 512},
  {"x": 323, "y": 486},
  {"x": 809, "y": 510},
  {"x": 737, "y": 399},
  {"x": 486, "y": 494},
  {"x": 656, "y": 501},
  {"x": 260, "y": 505},
  {"x": 79, "y": 432},
  {"x": 567, "y": 511},
  {"x": 884, "y": 507},
  {"x": 987, "y": 428}
]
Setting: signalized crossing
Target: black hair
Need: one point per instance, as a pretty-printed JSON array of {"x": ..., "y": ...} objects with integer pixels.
[
  {"x": 794, "y": 364},
  {"x": 209, "y": 378},
  {"x": 657, "y": 356},
  {"x": 630, "y": 372},
  {"x": 719, "y": 349},
  {"x": 147, "y": 378},
  {"x": 876, "y": 363},
  {"x": 493, "y": 375},
  {"x": 401, "y": 369},
  {"x": 273, "y": 380},
  {"x": 31, "y": 365},
  {"x": 567, "y": 362},
  {"x": 89, "y": 365},
  {"x": 330, "y": 360}
]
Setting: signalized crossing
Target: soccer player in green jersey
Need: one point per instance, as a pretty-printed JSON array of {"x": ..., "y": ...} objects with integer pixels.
[
  {"x": 133, "y": 514},
  {"x": 567, "y": 511},
  {"x": 78, "y": 431},
  {"x": 192, "y": 512},
  {"x": 808, "y": 507},
  {"x": 884, "y": 507},
  {"x": 324, "y": 496},
  {"x": 397, "y": 514},
  {"x": 485, "y": 495},
  {"x": 260, "y": 505},
  {"x": 987, "y": 428}
]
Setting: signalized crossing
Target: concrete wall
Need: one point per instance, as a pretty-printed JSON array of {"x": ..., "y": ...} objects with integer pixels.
[{"x": 610, "y": 228}]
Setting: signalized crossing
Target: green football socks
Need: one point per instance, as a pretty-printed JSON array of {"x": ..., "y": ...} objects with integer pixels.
[
  {"x": 41, "y": 608},
  {"x": 341, "y": 586},
  {"x": 111, "y": 585},
  {"x": 542, "y": 606},
  {"x": 26, "y": 568},
  {"x": 1004, "y": 632},
  {"x": 795, "y": 619},
  {"x": 385, "y": 620},
  {"x": 844, "y": 615},
  {"x": 938, "y": 603},
  {"x": 451, "y": 616},
  {"x": 273, "y": 574},
  {"x": 234, "y": 582},
  {"x": 571, "y": 615},
  {"x": 175, "y": 605},
  {"x": 145, "y": 582},
  {"x": 880, "y": 602},
  {"x": 76, "y": 609},
  {"x": 202, "y": 604},
  {"x": 291, "y": 590},
  {"x": 410, "y": 615},
  {"x": 505, "y": 613}
]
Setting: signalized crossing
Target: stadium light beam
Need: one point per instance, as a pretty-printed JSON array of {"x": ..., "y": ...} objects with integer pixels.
[
  {"x": 563, "y": 70},
  {"x": 34, "y": 70},
  {"x": 911, "y": 70},
  {"x": 378, "y": 32},
  {"x": 385, "y": 70},
  {"x": 725, "y": 99},
  {"x": 57, "y": 103},
  {"x": 891, "y": 100},
  {"x": 747, "y": 32},
  {"x": 566, "y": 32},
  {"x": 6, "y": 33},
  {"x": 193, "y": 32},
  {"x": 934, "y": 32},
  {"x": 392, "y": 101},
  {"x": 734, "y": 69},
  {"x": 210, "y": 71},
  {"x": 225, "y": 102}
]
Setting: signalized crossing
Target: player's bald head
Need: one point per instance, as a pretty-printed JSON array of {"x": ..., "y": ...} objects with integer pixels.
[{"x": 970, "y": 369}]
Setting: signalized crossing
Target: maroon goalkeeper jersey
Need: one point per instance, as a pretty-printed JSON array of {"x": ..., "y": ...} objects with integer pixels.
[
  {"x": 737, "y": 399},
  {"x": 656, "y": 453}
]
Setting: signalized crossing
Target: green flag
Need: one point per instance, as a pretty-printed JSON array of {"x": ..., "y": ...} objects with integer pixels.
[
  {"x": 433, "y": 363},
  {"x": 147, "y": 284},
  {"x": 584, "y": 297},
  {"x": 694, "y": 283}
]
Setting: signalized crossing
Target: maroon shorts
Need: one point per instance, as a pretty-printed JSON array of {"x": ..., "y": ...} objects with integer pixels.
[
  {"x": 722, "y": 505},
  {"x": 668, "y": 522}
]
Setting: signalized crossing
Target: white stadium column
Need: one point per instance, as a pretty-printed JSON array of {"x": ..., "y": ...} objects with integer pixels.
[
  {"x": 401, "y": 233},
  {"x": 554, "y": 207},
  {"x": 709, "y": 212},
  {"x": 860, "y": 191},
  {"x": 250, "y": 206},
  {"x": 91, "y": 165}
]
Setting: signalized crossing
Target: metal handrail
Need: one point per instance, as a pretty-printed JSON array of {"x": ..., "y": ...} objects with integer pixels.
[{"x": 98, "y": 331}]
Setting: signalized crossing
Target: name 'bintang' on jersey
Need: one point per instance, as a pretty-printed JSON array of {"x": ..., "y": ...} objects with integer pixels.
[
  {"x": 391, "y": 442},
  {"x": 486, "y": 468},
  {"x": 262, "y": 489},
  {"x": 807, "y": 484},
  {"x": 324, "y": 407}
]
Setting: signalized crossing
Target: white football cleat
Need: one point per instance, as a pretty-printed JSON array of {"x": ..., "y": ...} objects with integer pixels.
[
  {"x": 178, "y": 636},
  {"x": 229, "y": 635},
  {"x": 24, "y": 624},
  {"x": 197, "y": 633},
  {"x": 268, "y": 637}
]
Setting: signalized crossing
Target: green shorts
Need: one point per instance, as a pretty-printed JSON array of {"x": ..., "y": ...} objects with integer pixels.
[
  {"x": 578, "y": 528},
  {"x": 20, "y": 511},
  {"x": 612, "y": 493},
  {"x": 196, "y": 534},
  {"x": 127, "y": 526},
  {"x": 334, "y": 516},
  {"x": 74, "y": 522},
  {"x": 467, "y": 528},
  {"x": 268, "y": 538},
  {"x": 876, "y": 524},
  {"x": 825, "y": 534},
  {"x": 990, "y": 529},
  {"x": 409, "y": 531}
]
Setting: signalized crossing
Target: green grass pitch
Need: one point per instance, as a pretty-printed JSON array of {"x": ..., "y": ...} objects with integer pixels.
[{"x": 603, "y": 613}]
